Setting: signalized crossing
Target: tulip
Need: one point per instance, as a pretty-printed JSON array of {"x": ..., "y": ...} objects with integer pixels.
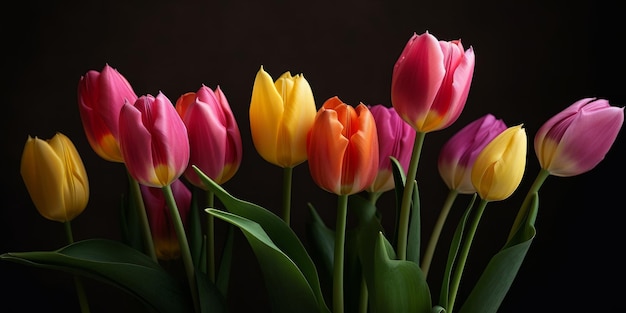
[
  {"x": 100, "y": 99},
  {"x": 281, "y": 114},
  {"x": 499, "y": 167},
  {"x": 55, "y": 177},
  {"x": 153, "y": 140},
  {"x": 214, "y": 137},
  {"x": 460, "y": 151},
  {"x": 575, "y": 140},
  {"x": 430, "y": 82},
  {"x": 166, "y": 243},
  {"x": 343, "y": 148},
  {"x": 395, "y": 139}
]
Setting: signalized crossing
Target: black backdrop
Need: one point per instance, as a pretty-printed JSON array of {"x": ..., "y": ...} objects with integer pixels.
[{"x": 533, "y": 58}]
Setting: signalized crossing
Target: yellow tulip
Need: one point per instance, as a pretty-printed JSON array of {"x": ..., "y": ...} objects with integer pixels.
[
  {"x": 55, "y": 177},
  {"x": 499, "y": 168},
  {"x": 281, "y": 114}
]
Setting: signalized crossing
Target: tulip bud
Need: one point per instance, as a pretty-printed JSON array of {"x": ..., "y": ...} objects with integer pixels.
[
  {"x": 214, "y": 138},
  {"x": 431, "y": 81},
  {"x": 460, "y": 151},
  {"x": 395, "y": 139},
  {"x": 342, "y": 148},
  {"x": 100, "y": 98},
  {"x": 167, "y": 246},
  {"x": 499, "y": 168},
  {"x": 55, "y": 177},
  {"x": 153, "y": 141},
  {"x": 281, "y": 114},
  {"x": 575, "y": 140}
]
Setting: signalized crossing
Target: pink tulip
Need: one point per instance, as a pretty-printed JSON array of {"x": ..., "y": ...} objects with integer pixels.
[
  {"x": 575, "y": 140},
  {"x": 153, "y": 141},
  {"x": 342, "y": 148},
  {"x": 460, "y": 151},
  {"x": 431, "y": 81},
  {"x": 395, "y": 139},
  {"x": 100, "y": 98},
  {"x": 214, "y": 137},
  {"x": 166, "y": 242}
]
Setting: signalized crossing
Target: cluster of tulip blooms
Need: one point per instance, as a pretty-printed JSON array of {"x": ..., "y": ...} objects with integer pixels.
[{"x": 354, "y": 152}]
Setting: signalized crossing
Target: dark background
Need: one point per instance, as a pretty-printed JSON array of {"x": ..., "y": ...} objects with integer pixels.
[{"x": 533, "y": 58}]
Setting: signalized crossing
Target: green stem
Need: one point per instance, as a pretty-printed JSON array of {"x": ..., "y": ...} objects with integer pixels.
[
  {"x": 287, "y": 178},
  {"x": 210, "y": 233},
  {"x": 454, "y": 287},
  {"x": 407, "y": 195},
  {"x": 539, "y": 180},
  {"x": 340, "y": 238},
  {"x": 363, "y": 297},
  {"x": 143, "y": 218},
  {"x": 373, "y": 197},
  {"x": 434, "y": 237},
  {"x": 78, "y": 283},
  {"x": 184, "y": 245}
]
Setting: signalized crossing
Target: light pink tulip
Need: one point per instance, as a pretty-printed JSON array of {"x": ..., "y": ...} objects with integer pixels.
[
  {"x": 460, "y": 151},
  {"x": 575, "y": 140}
]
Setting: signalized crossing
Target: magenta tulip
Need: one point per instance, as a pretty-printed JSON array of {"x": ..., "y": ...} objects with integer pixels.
[
  {"x": 100, "y": 99},
  {"x": 575, "y": 140},
  {"x": 431, "y": 82},
  {"x": 214, "y": 137},
  {"x": 166, "y": 243},
  {"x": 395, "y": 139},
  {"x": 153, "y": 141},
  {"x": 460, "y": 151}
]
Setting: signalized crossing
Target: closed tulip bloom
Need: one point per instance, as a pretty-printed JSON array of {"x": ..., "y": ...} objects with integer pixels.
[
  {"x": 575, "y": 140},
  {"x": 395, "y": 139},
  {"x": 431, "y": 81},
  {"x": 281, "y": 114},
  {"x": 343, "y": 148},
  {"x": 214, "y": 137},
  {"x": 499, "y": 168},
  {"x": 153, "y": 141},
  {"x": 460, "y": 151},
  {"x": 55, "y": 177},
  {"x": 164, "y": 237},
  {"x": 100, "y": 98}
]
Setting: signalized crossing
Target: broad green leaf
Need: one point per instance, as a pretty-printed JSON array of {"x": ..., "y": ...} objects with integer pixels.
[
  {"x": 399, "y": 179},
  {"x": 500, "y": 273},
  {"x": 277, "y": 230},
  {"x": 289, "y": 290},
  {"x": 400, "y": 285},
  {"x": 117, "y": 264}
]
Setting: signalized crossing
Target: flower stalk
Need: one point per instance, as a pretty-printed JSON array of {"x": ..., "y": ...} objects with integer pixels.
[
  {"x": 340, "y": 239},
  {"x": 143, "y": 217},
  {"x": 80, "y": 289},
  {"x": 287, "y": 182},
  {"x": 407, "y": 195},
  {"x": 434, "y": 237},
  {"x": 210, "y": 240},
  {"x": 184, "y": 245}
]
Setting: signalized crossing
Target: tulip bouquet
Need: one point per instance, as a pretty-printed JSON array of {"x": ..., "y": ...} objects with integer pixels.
[{"x": 179, "y": 154}]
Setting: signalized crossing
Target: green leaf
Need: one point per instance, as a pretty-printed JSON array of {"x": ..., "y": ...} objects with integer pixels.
[
  {"x": 415, "y": 229},
  {"x": 289, "y": 290},
  {"x": 117, "y": 264},
  {"x": 196, "y": 236},
  {"x": 279, "y": 233},
  {"x": 499, "y": 274},
  {"x": 400, "y": 285},
  {"x": 399, "y": 179}
]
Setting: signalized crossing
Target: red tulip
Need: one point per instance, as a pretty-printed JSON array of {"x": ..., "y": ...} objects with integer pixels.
[
  {"x": 100, "y": 99},
  {"x": 431, "y": 81},
  {"x": 214, "y": 137},
  {"x": 153, "y": 141}
]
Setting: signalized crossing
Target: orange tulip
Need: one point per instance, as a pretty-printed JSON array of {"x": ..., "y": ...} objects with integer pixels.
[{"x": 342, "y": 148}]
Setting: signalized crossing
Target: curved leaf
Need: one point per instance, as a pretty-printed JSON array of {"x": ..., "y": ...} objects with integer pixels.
[
  {"x": 277, "y": 230},
  {"x": 499, "y": 274},
  {"x": 117, "y": 264},
  {"x": 290, "y": 290}
]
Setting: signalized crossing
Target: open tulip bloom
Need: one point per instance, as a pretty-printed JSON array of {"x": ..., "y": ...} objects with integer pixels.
[{"x": 353, "y": 152}]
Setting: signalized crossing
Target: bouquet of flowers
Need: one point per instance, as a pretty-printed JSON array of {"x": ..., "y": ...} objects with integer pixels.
[{"x": 178, "y": 154}]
